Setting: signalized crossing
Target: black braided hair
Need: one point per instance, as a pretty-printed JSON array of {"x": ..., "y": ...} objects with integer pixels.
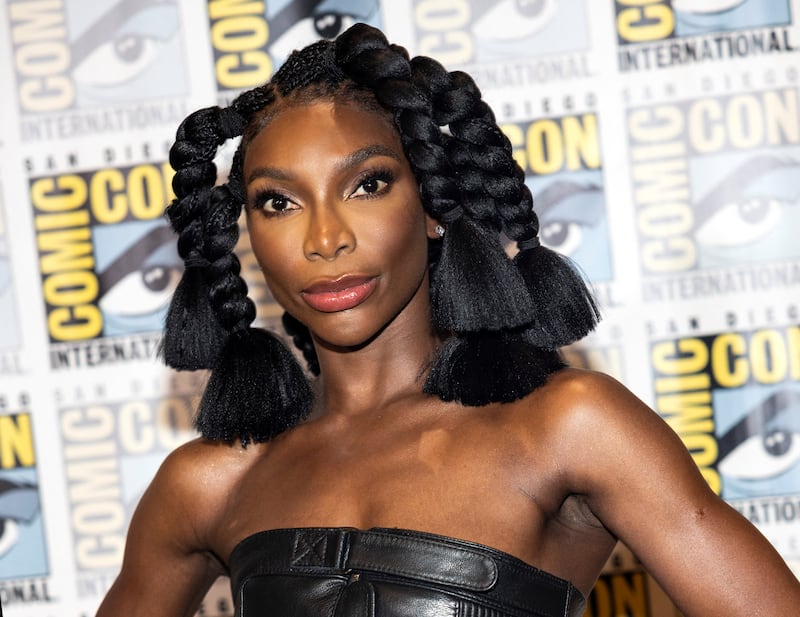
[{"x": 501, "y": 319}]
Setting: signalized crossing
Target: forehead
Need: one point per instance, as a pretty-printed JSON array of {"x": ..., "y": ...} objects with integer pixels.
[{"x": 298, "y": 132}]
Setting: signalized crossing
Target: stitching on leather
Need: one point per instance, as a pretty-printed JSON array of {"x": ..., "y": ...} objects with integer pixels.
[
  {"x": 312, "y": 548},
  {"x": 469, "y": 555}
]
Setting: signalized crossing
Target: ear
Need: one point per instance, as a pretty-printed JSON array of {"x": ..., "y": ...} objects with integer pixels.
[{"x": 430, "y": 227}]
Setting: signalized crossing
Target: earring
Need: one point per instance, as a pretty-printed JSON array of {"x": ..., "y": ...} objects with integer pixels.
[{"x": 439, "y": 230}]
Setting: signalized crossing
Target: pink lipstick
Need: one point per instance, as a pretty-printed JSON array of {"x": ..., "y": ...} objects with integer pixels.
[{"x": 339, "y": 294}]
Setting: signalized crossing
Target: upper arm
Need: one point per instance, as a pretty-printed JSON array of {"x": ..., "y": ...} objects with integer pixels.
[
  {"x": 167, "y": 567},
  {"x": 641, "y": 482}
]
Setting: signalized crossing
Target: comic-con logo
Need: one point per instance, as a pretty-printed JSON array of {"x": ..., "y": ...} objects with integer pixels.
[
  {"x": 715, "y": 180},
  {"x": 22, "y": 545},
  {"x": 563, "y": 167},
  {"x": 111, "y": 452},
  {"x": 87, "y": 54},
  {"x": 107, "y": 259},
  {"x": 662, "y": 33},
  {"x": 251, "y": 40},
  {"x": 475, "y": 31},
  {"x": 734, "y": 399}
]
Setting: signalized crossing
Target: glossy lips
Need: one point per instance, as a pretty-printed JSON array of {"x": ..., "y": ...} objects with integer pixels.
[{"x": 339, "y": 294}]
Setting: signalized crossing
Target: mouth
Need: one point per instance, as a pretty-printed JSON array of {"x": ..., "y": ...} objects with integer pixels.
[{"x": 339, "y": 294}]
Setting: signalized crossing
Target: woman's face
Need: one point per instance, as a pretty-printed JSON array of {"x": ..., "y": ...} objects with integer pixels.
[{"x": 335, "y": 219}]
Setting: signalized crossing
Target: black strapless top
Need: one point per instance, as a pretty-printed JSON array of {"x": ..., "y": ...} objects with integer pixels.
[{"x": 343, "y": 572}]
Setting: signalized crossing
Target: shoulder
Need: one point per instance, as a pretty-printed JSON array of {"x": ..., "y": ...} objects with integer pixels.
[
  {"x": 602, "y": 433},
  {"x": 195, "y": 480},
  {"x": 580, "y": 400}
]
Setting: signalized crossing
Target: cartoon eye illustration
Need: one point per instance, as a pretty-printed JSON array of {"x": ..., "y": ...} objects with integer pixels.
[
  {"x": 706, "y": 6},
  {"x": 748, "y": 204},
  {"x": 763, "y": 444},
  {"x": 514, "y": 19},
  {"x": 567, "y": 211},
  {"x": 142, "y": 291},
  {"x": 300, "y": 23},
  {"x": 141, "y": 279},
  {"x": 19, "y": 503},
  {"x": 123, "y": 43},
  {"x": 9, "y": 533},
  {"x": 741, "y": 222}
]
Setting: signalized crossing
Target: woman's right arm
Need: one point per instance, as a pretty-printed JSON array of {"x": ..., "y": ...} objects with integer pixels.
[{"x": 168, "y": 566}]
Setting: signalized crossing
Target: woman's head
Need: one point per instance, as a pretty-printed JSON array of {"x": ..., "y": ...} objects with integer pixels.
[
  {"x": 482, "y": 303},
  {"x": 335, "y": 220}
]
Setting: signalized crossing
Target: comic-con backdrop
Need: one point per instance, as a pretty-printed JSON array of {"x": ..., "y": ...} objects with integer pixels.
[{"x": 662, "y": 143}]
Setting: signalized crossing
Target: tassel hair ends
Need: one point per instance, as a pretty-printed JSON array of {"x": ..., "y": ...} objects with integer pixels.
[
  {"x": 489, "y": 367},
  {"x": 256, "y": 391},
  {"x": 475, "y": 286},
  {"x": 192, "y": 336},
  {"x": 565, "y": 310}
]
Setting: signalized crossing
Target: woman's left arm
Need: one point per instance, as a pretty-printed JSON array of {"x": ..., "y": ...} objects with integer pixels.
[{"x": 641, "y": 482}]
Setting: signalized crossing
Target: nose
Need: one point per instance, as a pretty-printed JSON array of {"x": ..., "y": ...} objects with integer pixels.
[{"x": 328, "y": 235}]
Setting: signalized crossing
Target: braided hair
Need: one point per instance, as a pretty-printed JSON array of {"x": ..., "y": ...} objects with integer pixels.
[{"x": 502, "y": 319}]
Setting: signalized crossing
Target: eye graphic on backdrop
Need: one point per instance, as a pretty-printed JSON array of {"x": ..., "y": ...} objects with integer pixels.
[
  {"x": 136, "y": 285},
  {"x": 514, "y": 19},
  {"x": 123, "y": 45},
  {"x": 19, "y": 504},
  {"x": 749, "y": 209},
  {"x": 567, "y": 211},
  {"x": 572, "y": 221},
  {"x": 706, "y": 6},
  {"x": 765, "y": 443},
  {"x": 301, "y": 22},
  {"x": 703, "y": 16}
]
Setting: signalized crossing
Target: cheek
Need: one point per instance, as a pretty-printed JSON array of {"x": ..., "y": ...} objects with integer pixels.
[
  {"x": 406, "y": 238},
  {"x": 274, "y": 257}
]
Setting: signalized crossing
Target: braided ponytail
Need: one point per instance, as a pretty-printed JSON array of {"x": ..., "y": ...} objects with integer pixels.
[
  {"x": 562, "y": 308},
  {"x": 193, "y": 336},
  {"x": 256, "y": 388}
]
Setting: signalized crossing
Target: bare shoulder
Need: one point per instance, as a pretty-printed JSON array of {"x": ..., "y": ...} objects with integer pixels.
[
  {"x": 605, "y": 437},
  {"x": 203, "y": 472},
  {"x": 581, "y": 402},
  {"x": 171, "y": 554}
]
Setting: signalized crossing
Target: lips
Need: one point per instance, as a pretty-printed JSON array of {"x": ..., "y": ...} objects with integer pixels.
[{"x": 339, "y": 294}]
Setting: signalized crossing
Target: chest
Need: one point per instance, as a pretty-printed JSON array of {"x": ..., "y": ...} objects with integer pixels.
[{"x": 486, "y": 485}]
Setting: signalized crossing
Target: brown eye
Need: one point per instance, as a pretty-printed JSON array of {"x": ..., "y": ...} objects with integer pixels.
[{"x": 374, "y": 184}]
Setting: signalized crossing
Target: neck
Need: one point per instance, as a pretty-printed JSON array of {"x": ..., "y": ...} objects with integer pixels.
[{"x": 390, "y": 366}]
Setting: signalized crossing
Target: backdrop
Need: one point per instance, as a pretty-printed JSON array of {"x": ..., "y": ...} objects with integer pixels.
[{"x": 662, "y": 143}]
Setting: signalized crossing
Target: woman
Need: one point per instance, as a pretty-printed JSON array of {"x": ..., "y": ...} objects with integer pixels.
[{"x": 444, "y": 450}]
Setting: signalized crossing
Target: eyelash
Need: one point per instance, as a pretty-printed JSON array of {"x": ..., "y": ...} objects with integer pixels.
[
  {"x": 381, "y": 175},
  {"x": 262, "y": 197}
]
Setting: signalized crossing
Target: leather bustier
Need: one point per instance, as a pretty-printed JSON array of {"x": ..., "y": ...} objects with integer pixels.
[{"x": 343, "y": 572}]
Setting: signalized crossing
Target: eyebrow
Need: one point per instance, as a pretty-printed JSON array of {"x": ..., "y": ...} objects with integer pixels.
[{"x": 348, "y": 162}]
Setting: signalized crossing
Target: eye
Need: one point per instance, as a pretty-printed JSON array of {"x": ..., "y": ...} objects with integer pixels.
[
  {"x": 327, "y": 25},
  {"x": 330, "y": 25},
  {"x": 141, "y": 292},
  {"x": 9, "y": 533},
  {"x": 371, "y": 186},
  {"x": 739, "y": 223},
  {"x": 570, "y": 213},
  {"x": 273, "y": 204},
  {"x": 764, "y": 455},
  {"x": 122, "y": 53},
  {"x": 562, "y": 236},
  {"x": 705, "y": 6},
  {"x": 515, "y": 19}
]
